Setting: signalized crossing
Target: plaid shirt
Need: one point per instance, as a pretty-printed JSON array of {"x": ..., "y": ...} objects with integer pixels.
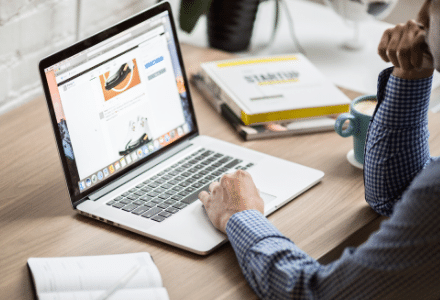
[{"x": 399, "y": 261}]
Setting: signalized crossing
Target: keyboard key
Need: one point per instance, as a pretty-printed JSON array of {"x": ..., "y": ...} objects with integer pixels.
[
  {"x": 130, "y": 207},
  {"x": 139, "y": 193},
  {"x": 184, "y": 193},
  {"x": 192, "y": 171},
  {"x": 154, "y": 177},
  {"x": 179, "y": 205},
  {"x": 163, "y": 205},
  {"x": 158, "y": 218},
  {"x": 184, "y": 183},
  {"x": 125, "y": 201},
  {"x": 195, "y": 195},
  {"x": 173, "y": 182},
  {"x": 179, "y": 178},
  {"x": 156, "y": 200},
  {"x": 177, "y": 197},
  {"x": 166, "y": 186},
  {"x": 153, "y": 185},
  {"x": 186, "y": 174},
  {"x": 140, "y": 210},
  {"x": 119, "y": 198},
  {"x": 190, "y": 189},
  {"x": 197, "y": 185},
  {"x": 177, "y": 188},
  {"x": 198, "y": 167},
  {"x": 225, "y": 159},
  {"x": 152, "y": 212},
  {"x": 160, "y": 190},
  {"x": 233, "y": 163},
  {"x": 163, "y": 196},
  {"x": 204, "y": 181},
  {"x": 210, "y": 177},
  {"x": 132, "y": 197},
  {"x": 164, "y": 214},
  {"x": 118, "y": 205},
  {"x": 166, "y": 177},
  {"x": 111, "y": 202},
  {"x": 160, "y": 181},
  {"x": 153, "y": 194},
  {"x": 170, "y": 202},
  {"x": 197, "y": 176},
  {"x": 125, "y": 194},
  {"x": 138, "y": 202},
  {"x": 172, "y": 210},
  {"x": 140, "y": 185},
  {"x": 205, "y": 162},
  {"x": 218, "y": 155},
  {"x": 207, "y": 153},
  {"x": 146, "y": 198},
  {"x": 217, "y": 173},
  {"x": 132, "y": 190},
  {"x": 150, "y": 204},
  {"x": 191, "y": 180}
]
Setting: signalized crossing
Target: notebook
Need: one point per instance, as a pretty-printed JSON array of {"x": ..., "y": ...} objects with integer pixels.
[{"x": 127, "y": 136}]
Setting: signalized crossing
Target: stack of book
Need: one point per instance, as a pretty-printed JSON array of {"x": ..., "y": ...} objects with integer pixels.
[{"x": 271, "y": 96}]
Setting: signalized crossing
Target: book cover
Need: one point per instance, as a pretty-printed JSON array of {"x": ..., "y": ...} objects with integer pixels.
[
  {"x": 263, "y": 130},
  {"x": 275, "y": 88}
]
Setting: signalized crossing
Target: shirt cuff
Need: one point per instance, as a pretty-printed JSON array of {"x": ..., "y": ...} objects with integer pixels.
[
  {"x": 246, "y": 228},
  {"x": 402, "y": 102}
]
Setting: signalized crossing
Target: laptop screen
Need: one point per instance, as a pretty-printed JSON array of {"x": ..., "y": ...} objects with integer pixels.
[{"x": 119, "y": 102}]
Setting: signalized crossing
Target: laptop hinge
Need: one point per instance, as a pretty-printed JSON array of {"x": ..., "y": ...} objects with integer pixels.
[{"x": 138, "y": 171}]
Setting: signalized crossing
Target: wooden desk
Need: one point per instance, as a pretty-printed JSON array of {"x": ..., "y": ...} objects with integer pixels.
[{"x": 37, "y": 220}]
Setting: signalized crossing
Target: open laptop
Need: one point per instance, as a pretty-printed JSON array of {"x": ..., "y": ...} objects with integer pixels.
[{"x": 128, "y": 140}]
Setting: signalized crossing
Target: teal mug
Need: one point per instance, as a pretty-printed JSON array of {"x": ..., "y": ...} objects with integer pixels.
[{"x": 361, "y": 111}]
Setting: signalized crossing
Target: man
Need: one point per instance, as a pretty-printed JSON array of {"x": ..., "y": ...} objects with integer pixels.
[{"x": 402, "y": 259}]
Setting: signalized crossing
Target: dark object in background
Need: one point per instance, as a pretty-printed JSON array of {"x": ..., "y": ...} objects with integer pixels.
[{"x": 230, "y": 22}]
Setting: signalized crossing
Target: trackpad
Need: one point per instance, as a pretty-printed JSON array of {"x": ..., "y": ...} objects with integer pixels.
[{"x": 267, "y": 198}]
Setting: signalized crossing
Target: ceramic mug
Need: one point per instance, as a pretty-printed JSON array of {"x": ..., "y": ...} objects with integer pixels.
[{"x": 361, "y": 111}]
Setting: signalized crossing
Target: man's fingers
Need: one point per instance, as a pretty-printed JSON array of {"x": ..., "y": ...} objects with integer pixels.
[
  {"x": 213, "y": 185},
  {"x": 203, "y": 196},
  {"x": 394, "y": 44},
  {"x": 383, "y": 45},
  {"x": 419, "y": 47}
]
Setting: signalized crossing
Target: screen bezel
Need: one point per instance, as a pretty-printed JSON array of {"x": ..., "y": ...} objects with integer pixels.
[{"x": 75, "y": 196}]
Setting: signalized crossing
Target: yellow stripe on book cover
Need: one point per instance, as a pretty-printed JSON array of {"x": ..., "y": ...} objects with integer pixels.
[
  {"x": 293, "y": 114},
  {"x": 256, "y": 61}
]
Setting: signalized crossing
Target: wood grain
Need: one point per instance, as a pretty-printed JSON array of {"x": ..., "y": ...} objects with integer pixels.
[{"x": 37, "y": 220}]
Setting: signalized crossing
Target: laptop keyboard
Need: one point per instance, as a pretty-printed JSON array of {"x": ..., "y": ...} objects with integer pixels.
[{"x": 171, "y": 190}]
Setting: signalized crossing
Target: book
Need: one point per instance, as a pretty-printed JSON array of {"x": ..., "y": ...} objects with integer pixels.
[
  {"x": 262, "y": 130},
  {"x": 121, "y": 276},
  {"x": 273, "y": 89}
]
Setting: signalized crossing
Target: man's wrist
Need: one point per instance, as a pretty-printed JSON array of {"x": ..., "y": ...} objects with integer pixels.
[{"x": 413, "y": 74}]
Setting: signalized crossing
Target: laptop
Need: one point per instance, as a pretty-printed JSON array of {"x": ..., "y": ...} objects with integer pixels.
[{"x": 127, "y": 136}]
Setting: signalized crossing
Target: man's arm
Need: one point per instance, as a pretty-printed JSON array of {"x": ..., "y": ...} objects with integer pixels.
[
  {"x": 397, "y": 141},
  {"x": 400, "y": 261}
]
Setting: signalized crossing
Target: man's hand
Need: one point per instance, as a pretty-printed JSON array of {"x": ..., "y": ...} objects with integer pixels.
[
  {"x": 405, "y": 47},
  {"x": 234, "y": 193}
]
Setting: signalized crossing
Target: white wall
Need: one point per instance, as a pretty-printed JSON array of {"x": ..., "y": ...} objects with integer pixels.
[{"x": 32, "y": 29}]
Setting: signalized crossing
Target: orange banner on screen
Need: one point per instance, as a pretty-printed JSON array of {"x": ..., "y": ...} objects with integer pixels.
[{"x": 120, "y": 79}]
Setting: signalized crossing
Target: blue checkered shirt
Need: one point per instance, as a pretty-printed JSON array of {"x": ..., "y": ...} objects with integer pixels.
[{"x": 399, "y": 261}]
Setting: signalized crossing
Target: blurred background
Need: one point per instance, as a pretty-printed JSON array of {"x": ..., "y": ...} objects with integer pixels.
[{"x": 33, "y": 29}]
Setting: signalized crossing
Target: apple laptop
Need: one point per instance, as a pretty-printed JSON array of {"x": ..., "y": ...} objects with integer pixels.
[{"x": 128, "y": 139}]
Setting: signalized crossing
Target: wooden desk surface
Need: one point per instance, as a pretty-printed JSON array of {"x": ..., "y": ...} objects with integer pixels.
[{"x": 37, "y": 220}]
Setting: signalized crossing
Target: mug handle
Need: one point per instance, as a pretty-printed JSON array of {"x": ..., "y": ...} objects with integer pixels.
[{"x": 340, "y": 121}]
